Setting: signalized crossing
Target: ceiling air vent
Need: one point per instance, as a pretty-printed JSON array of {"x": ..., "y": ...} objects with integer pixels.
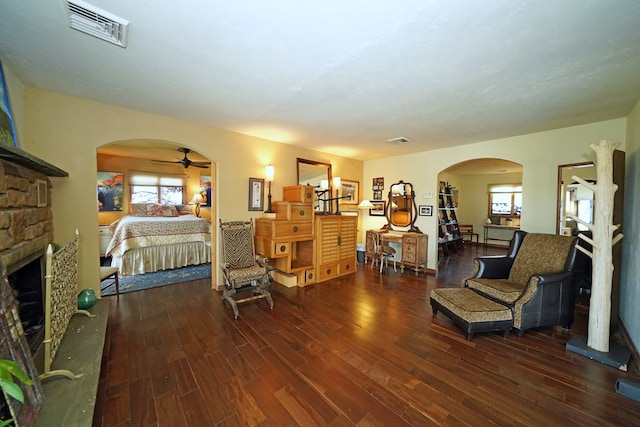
[
  {"x": 97, "y": 23},
  {"x": 399, "y": 141}
]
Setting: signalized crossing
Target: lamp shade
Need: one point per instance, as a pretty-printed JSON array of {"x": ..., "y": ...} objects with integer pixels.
[
  {"x": 336, "y": 182},
  {"x": 365, "y": 204},
  {"x": 269, "y": 172},
  {"x": 197, "y": 199},
  {"x": 324, "y": 184}
]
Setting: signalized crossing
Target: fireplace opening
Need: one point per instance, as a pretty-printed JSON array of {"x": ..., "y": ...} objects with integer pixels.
[{"x": 27, "y": 282}]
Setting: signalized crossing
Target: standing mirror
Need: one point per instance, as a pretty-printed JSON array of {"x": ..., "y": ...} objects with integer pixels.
[{"x": 401, "y": 207}]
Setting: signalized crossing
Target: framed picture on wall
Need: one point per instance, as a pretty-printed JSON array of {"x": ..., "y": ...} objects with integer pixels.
[
  {"x": 7, "y": 130},
  {"x": 350, "y": 190},
  {"x": 110, "y": 191},
  {"x": 378, "y": 208},
  {"x": 256, "y": 194},
  {"x": 425, "y": 210},
  {"x": 205, "y": 189}
]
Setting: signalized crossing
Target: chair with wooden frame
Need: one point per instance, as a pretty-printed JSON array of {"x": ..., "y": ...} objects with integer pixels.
[{"x": 466, "y": 230}]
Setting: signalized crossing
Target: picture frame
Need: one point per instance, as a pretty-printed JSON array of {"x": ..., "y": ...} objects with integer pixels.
[
  {"x": 256, "y": 194},
  {"x": 205, "y": 190},
  {"x": 8, "y": 136},
  {"x": 378, "y": 208},
  {"x": 42, "y": 193},
  {"x": 110, "y": 187},
  {"x": 425, "y": 210},
  {"x": 378, "y": 184},
  {"x": 351, "y": 189},
  {"x": 377, "y": 195}
]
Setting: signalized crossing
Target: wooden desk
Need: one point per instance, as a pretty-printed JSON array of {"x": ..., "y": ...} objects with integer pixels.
[
  {"x": 411, "y": 249},
  {"x": 488, "y": 227}
]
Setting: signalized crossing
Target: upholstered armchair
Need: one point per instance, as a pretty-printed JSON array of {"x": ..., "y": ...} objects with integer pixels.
[
  {"x": 536, "y": 279},
  {"x": 242, "y": 270}
]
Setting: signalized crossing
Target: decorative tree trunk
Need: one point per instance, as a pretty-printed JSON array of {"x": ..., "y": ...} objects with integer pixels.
[{"x": 602, "y": 242}]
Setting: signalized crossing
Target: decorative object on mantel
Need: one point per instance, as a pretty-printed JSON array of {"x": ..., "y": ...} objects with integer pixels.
[
  {"x": 604, "y": 238},
  {"x": 61, "y": 302},
  {"x": 14, "y": 346}
]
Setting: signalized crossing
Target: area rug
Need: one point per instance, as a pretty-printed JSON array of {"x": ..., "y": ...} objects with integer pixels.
[{"x": 159, "y": 278}]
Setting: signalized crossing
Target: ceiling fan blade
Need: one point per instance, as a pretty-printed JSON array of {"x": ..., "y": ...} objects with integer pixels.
[
  {"x": 199, "y": 166},
  {"x": 164, "y": 161}
]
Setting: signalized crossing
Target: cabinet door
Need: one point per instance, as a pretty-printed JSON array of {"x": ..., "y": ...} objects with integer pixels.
[
  {"x": 347, "y": 241},
  {"x": 410, "y": 249},
  {"x": 328, "y": 232}
]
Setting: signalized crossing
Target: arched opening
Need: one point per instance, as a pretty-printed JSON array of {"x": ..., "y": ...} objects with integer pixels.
[
  {"x": 470, "y": 194},
  {"x": 138, "y": 157}
]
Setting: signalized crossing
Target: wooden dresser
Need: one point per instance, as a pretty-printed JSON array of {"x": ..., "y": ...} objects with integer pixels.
[
  {"x": 288, "y": 240},
  {"x": 414, "y": 251},
  {"x": 336, "y": 241}
]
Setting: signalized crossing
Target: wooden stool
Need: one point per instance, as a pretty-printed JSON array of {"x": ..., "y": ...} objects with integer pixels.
[
  {"x": 471, "y": 311},
  {"x": 107, "y": 272}
]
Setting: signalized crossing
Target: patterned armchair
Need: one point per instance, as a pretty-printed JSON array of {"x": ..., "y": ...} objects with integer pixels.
[
  {"x": 243, "y": 271},
  {"x": 536, "y": 279}
]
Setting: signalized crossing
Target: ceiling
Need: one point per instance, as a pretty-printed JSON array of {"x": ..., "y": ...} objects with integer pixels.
[{"x": 344, "y": 76}]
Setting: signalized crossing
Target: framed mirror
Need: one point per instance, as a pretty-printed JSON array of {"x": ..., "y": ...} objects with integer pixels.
[
  {"x": 313, "y": 173},
  {"x": 574, "y": 198},
  {"x": 401, "y": 207}
]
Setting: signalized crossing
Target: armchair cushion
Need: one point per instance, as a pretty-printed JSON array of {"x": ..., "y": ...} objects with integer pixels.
[{"x": 539, "y": 254}]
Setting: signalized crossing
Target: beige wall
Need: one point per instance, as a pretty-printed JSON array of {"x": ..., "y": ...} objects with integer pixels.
[
  {"x": 539, "y": 153},
  {"x": 66, "y": 131},
  {"x": 629, "y": 283}
]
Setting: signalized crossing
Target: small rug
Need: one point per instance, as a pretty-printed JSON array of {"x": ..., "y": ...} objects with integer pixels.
[{"x": 159, "y": 278}]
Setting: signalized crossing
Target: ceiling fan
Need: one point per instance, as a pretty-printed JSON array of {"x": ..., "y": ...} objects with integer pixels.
[{"x": 185, "y": 161}]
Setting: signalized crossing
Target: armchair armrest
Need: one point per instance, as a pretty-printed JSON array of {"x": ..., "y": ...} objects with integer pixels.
[
  {"x": 550, "y": 278},
  {"x": 493, "y": 267}
]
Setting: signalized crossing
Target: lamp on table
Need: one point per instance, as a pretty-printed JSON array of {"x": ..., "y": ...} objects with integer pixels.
[{"x": 197, "y": 200}]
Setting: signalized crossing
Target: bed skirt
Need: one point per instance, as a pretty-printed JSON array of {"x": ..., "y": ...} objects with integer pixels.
[{"x": 155, "y": 258}]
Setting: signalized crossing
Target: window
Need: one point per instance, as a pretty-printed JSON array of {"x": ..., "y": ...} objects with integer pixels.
[
  {"x": 163, "y": 189},
  {"x": 505, "y": 200}
]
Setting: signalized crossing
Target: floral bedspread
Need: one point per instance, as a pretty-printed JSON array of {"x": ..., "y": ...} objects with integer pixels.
[{"x": 132, "y": 232}]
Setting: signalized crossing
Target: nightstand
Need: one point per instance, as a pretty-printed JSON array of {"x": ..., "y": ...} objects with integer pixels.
[{"x": 104, "y": 237}]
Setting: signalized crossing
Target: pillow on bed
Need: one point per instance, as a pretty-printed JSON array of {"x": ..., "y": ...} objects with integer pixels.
[
  {"x": 169, "y": 210},
  {"x": 183, "y": 209},
  {"x": 153, "y": 209},
  {"x": 138, "y": 208}
]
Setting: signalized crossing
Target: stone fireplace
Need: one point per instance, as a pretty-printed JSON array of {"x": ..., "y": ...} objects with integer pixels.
[{"x": 26, "y": 228}]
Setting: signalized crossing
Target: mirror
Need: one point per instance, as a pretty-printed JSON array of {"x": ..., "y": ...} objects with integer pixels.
[
  {"x": 401, "y": 207},
  {"x": 574, "y": 198},
  {"x": 312, "y": 173}
]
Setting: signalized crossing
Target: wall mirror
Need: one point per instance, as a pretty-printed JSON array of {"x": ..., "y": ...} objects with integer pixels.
[
  {"x": 574, "y": 198},
  {"x": 313, "y": 173},
  {"x": 401, "y": 207}
]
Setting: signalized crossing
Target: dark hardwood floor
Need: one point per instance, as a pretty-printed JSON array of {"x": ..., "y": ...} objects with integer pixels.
[{"x": 362, "y": 350}]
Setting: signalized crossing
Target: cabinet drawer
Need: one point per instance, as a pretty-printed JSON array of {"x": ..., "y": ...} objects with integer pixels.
[
  {"x": 306, "y": 277},
  {"x": 298, "y": 193},
  {"x": 271, "y": 249},
  {"x": 347, "y": 266},
  {"x": 327, "y": 271},
  {"x": 104, "y": 229},
  {"x": 291, "y": 211},
  {"x": 286, "y": 229}
]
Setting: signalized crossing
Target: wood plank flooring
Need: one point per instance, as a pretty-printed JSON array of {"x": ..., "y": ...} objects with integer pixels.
[{"x": 357, "y": 351}]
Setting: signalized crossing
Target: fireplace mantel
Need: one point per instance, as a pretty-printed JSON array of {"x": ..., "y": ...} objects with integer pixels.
[{"x": 22, "y": 158}]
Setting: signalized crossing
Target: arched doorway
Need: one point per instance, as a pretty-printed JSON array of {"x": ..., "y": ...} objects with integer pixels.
[
  {"x": 469, "y": 185},
  {"x": 163, "y": 157}
]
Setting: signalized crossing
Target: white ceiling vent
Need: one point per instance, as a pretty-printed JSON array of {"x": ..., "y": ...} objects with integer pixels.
[
  {"x": 399, "y": 141},
  {"x": 97, "y": 23}
]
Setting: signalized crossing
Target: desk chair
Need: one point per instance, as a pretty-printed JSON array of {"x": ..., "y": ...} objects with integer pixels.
[
  {"x": 106, "y": 273},
  {"x": 466, "y": 230},
  {"x": 382, "y": 252}
]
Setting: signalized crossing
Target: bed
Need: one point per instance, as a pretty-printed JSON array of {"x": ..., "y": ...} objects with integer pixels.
[{"x": 144, "y": 243}]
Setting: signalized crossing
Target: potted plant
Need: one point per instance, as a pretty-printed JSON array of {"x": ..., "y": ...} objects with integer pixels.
[{"x": 8, "y": 370}]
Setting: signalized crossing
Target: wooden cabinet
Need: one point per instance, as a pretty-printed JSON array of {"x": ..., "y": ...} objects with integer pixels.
[
  {"x": 288, "y": 240},
  {"x": 414, "y": 252},
  {"x": 336, "y": 244}
]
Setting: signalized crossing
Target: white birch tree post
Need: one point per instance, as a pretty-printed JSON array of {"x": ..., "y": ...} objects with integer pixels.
[{"x": 602, "y": 242}]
